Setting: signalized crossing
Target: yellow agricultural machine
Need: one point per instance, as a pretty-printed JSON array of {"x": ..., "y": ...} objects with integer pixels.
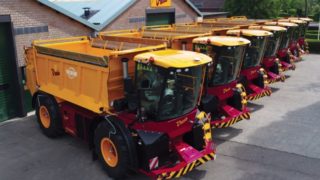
[
  {"x": 289, "y": 39},
  {"x": 134, "y": 103},
  {"x": 298, "y": 45},
  {"x": 302, "y": 40}
]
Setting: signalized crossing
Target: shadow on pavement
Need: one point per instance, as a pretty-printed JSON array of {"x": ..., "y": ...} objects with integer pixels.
[
  {"x": 225, "y": 134},
  {"x": 287, "y": 148},
  {"x": 274, "y": 90},
  {"x": 255, "y": 107}
]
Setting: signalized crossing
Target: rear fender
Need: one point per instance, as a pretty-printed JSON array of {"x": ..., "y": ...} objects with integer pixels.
[{"x": 34, "y": 99}]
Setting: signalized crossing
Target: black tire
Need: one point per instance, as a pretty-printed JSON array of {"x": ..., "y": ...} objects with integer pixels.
[
  {"x": 298, "y": 51},
  {"x": 295, "y": 52},
  {"x": 121, "y": 169},
  {"x": 54, "y": 128},
  {"x": 287, "y": 58}
]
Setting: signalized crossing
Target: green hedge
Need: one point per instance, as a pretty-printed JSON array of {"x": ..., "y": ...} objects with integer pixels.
[
  {"x": 312, "y": 36},
  {"x": 283, "y": 15},
  {"x": 312, "y": 32},
  {"x": 315, "y": 17},
  {"x": 314, "y": 45}
]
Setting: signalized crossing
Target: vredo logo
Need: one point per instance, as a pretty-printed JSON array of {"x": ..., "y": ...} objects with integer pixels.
[
  {"x": 180, "y": 122},
  {"x": 226, "y": 90},
  {"x": 71, "y": 73},
  {"x": 159, "y": 2},
  {"x": 55, "y": 73},
  {"x": 252, "y": 72}
]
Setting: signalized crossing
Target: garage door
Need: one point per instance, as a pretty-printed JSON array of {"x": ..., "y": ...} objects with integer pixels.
[
  {"x": 160, "y": 19},
  {"x": 8, "y": 100}
]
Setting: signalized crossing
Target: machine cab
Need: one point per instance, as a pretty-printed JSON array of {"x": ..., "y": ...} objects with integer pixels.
[
  {"x": 288, "y": 35},
  {"x": 226, "y": 52},
  {"x": 274, "y": 41},
  {"x": 299, "y": 32},
  {"x": 168, "y": 83},
  {"x": 254, "y": 52}
]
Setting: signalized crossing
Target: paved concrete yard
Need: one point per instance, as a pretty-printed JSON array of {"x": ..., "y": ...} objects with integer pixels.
[{"x": 281, "y": 141}]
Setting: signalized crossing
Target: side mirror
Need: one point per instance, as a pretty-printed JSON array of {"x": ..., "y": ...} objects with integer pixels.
[{"x": 128, "y": 88}]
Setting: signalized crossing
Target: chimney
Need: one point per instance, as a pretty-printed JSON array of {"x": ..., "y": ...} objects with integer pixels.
[{"x": 86, "y": 12}]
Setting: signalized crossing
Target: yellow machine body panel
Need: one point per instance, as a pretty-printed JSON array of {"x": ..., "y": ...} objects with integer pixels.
[
  {"x": 250, "y": 32},
  {"x": 269, "y": 28},
  {"x": 83, "y": 72},
  {"x": 293, "y": 21},
  {"x": 174, "y": 58},
  {"x": 282, "y": 24},
  {"x": 176, "y": 37},
  {"x": 222, "y": 41},
  {"x": 298, "y": 18}
]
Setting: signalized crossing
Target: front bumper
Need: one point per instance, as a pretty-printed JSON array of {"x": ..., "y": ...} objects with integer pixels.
[
  {"x": 287, "y": 67},
  {"x": 182, "y": 168},
  {"x": 273, "y": 78},
  {"x": 233, "y": 117},
  {"x": 255, "y": 96}
]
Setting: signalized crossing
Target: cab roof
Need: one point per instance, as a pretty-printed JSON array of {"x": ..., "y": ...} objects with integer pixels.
[
  {"x": 268, "y": 28},
  {"x": 222, "y": 41},
  {"x": 293, "y": 21},
  {"x": 282, "y": 24},
  {"x": 298, "y": 18},
  {"x": 250, "y": 32},
  {"x": 174, "y": 58}
]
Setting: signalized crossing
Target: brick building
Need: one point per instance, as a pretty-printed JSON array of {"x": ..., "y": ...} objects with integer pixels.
[
  {"x": 23, "y": 21},
  {"x": 208, "y": 5},
  {"x": 210, "y": 9}
]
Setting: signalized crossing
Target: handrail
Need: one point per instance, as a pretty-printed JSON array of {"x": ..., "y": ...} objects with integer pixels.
[
  {"x": 80, "y": 38},
  {"x": 118, "y": 32},
  {"x": 156, "y": 27},
  {"x": 239, "y": 17}
]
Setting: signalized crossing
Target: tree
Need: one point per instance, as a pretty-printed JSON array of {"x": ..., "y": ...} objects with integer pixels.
[
  {"x": 306, "y": 7},
  {"x": 255, "y": 9}
]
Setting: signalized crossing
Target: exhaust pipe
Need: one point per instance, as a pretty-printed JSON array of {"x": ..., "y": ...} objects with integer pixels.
[
  {"x": 184, "y": 45},
  {"x": 125, "y": 67}
]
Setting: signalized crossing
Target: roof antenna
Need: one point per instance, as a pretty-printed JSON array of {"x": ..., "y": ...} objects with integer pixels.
[{"x": 86, "y": 12}]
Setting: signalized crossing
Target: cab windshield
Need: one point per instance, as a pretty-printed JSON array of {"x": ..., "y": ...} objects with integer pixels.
[
  {"x": 226, "y": 63},
  {"x": 273, "y": 43},
  {"x": 286, "y": 38},
  {"x": 295, "y": 35},
  {"x": 167, "y": 94},
  {"x": 304, "y": 27},
  {"x": 252, "y": 57}
]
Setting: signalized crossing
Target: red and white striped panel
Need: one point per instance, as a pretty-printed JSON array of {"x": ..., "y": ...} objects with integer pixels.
[{"x": 154, "y": 163}]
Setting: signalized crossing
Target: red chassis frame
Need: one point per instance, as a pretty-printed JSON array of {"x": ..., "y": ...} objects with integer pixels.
[
  {"x": 189, "y": 157},
  {"x": 231, "y": 114},
  {"x": 282, "y": 53},
  {"x": 272, "y": 77},
  {"x": 254, "y": 91}
]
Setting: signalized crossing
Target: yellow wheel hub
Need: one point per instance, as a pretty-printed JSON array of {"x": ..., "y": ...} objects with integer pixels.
[
  {"x": 109, "y": 152},
  {"x": 44, "y": 117}
]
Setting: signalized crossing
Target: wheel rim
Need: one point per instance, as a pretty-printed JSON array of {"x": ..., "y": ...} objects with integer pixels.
[
  {"x": 109, "y": 152},
  {"x": 44, "y": 116}
]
